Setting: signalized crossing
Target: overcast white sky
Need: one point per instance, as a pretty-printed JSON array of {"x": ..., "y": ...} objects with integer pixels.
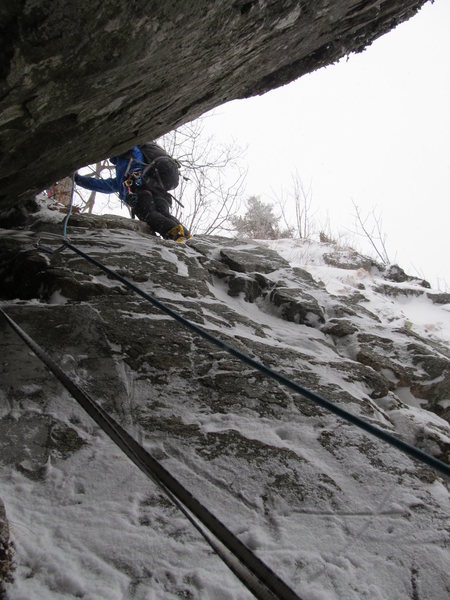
[{"x": 373, "y": 130}]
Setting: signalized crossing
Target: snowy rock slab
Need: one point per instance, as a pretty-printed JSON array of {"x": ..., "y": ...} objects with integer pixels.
[{"x": 337, "y": 514}]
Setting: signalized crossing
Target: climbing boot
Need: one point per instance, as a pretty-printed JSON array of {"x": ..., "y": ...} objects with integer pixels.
[
  {"x": 183, "y": 238},
  {"x": 178, "y": 234}
]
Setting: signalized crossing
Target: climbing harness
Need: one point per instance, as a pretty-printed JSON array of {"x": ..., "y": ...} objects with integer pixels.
[{"x": 133, "y": 179}]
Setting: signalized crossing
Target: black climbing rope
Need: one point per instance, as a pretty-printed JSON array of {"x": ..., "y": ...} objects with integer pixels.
[
  {"x": 385, "y": 436},
  {"x": 69, "y": 212},
  {"x": 257, "y": 577},
  {"x": 253, "y": 573}
]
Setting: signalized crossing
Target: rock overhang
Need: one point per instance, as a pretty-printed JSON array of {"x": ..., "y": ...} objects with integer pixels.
[{"x": 79, "y": 82}]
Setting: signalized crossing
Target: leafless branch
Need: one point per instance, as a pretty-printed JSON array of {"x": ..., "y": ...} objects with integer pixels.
[
  {"x": 375, "y": 235},
  {"x": 212, "y": 181}
]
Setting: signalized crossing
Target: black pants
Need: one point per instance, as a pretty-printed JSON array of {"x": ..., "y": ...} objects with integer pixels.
[{"x": 154, "y": 209}]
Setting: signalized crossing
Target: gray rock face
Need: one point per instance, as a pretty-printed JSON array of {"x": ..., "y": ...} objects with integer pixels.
[
  {"x": 6, "y": 552},
  {"x": 80, "y": 81},
  {"x": 262, "y": 458}
]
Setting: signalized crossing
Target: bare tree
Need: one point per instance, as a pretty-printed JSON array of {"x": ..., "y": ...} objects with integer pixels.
[
  {"x": 303, "y": 202},
  {"x": 297, "y": 200},
  {"x": 85, "y": 201},
  {"x": 372, "y": 228},
  {"x": 213, "y": 178}
]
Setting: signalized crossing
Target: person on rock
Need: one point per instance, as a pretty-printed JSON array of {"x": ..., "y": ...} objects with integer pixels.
[{"x": 143, "y": 178}]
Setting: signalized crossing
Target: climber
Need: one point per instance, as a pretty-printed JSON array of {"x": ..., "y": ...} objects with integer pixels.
[{"x": 143, "y": 184}]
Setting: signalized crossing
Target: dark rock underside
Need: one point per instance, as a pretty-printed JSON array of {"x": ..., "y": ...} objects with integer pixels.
[{"x": 80, "y": 81}]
